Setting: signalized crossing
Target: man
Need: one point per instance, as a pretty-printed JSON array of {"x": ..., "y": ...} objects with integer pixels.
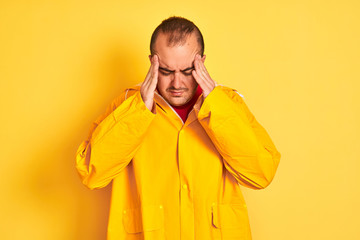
[{"x": 177, "y": 147}]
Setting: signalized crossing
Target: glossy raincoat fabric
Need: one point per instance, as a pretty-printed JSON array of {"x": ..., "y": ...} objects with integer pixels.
[{"x": 175, "y": 180}]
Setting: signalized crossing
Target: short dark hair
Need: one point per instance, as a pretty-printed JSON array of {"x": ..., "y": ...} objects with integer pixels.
[{"x": 177, "y": 29}]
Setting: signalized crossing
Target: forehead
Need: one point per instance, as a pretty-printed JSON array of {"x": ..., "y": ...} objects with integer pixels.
[{"x": 178, "y": 56}]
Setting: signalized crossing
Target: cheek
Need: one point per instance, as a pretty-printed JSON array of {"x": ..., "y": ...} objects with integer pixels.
[
  {"x": 163, "y": 83},
  {"x": 191, "y": 82}
]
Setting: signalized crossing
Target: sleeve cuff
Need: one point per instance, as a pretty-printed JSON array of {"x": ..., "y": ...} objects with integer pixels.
[
  {"x": 216, "y": 101},
  {"x": 137, "y": 105}
]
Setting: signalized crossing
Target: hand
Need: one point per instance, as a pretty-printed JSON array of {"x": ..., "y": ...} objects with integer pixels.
[
  {"x": 202, "y": 77},
  {"x": 148, "y": 87}
]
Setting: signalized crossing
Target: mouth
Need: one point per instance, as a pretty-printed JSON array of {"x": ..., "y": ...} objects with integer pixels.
[{"x": 176, "y": 93}]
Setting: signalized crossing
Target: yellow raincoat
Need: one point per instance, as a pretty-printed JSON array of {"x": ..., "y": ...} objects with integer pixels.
[{"x": 175, "y": 180}]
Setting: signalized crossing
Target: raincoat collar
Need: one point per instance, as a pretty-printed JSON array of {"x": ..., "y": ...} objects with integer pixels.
[{"x": 168, "y": 109}]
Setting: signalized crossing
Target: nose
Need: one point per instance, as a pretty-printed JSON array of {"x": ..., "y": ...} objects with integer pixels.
[{"x": 176, "y": 82}]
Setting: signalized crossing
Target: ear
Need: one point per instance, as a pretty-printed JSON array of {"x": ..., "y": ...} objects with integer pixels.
[{"x": 203, "y": 58}]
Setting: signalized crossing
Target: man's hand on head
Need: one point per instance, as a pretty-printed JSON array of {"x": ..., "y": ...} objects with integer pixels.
[
  {"x": 202, "y": 76},
  {"x": 148, "y": 87}
]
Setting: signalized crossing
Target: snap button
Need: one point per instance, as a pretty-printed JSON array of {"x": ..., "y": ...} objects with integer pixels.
[{"x": 185, "y": 186}]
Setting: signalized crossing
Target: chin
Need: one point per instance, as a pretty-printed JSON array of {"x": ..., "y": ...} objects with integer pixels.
[{"x": 177, "y": 102}]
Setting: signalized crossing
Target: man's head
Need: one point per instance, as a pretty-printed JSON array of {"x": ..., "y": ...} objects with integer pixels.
[
  {"x": 176, "y": 41},
  {"x": 177, "y": 29}
]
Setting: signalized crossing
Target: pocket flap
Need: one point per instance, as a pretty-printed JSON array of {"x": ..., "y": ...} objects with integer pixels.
[{"x": 147, "y": 218}]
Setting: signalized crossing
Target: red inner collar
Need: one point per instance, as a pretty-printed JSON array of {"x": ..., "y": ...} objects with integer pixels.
[{"x": 184, "y": 110}]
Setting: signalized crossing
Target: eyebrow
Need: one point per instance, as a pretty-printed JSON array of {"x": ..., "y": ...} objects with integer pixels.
[{"x": 171, "y": 71}]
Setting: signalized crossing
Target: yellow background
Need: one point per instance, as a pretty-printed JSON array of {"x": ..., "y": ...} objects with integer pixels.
[{"x": 296, "y": 62}]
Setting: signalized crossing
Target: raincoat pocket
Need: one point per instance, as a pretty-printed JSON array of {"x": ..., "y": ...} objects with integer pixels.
[
  {"x": 145, "y": 219},
  {"x": 231, "y": 220}
]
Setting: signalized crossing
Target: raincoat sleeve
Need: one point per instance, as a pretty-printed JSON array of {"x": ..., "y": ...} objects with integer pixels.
[
  {"x": 247, "y": 150},
  {"x": 113, "y": 140}
]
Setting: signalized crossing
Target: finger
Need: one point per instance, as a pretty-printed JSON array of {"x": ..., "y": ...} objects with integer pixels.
[
  {"x": 149, "y": 77},
  {"x": 155, "y": 70},
  {"x": 204, "y": 84},
  {"x": 151, "y": 71},
  {"x": 155, "y": 63},
  {"x": 206, "y": 89},
  {"x": 207, "y": 82},
  {"x": 204, "y": 73},
  {"x": 199, "y": 72},
  {"x": 197, "y": 78},
  {"x": 195, "y": 72},
  {"x": 203, "y": 69},
  {"x": 146, "y": 80},
  {"x": 196, "y": 64}
]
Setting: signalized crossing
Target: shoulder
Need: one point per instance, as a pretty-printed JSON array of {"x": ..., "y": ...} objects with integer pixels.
[
  {"x": 231, "y": 92},
  {"x": 117, "y": 102},
  {"x": 127, "y": 93}
]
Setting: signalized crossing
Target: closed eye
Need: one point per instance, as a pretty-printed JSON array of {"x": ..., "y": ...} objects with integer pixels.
[
  {"x": 188, "y": 71},
  {"x": 167, "y": 72},
  {"x": 164, "y": 73}
]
